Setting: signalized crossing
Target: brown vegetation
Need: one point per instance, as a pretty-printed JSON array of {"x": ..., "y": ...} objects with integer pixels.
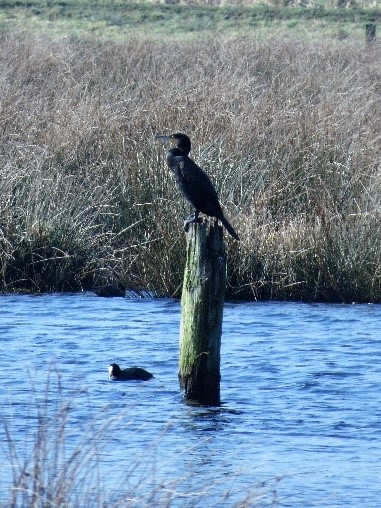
[{"x": 288, "y": 130}]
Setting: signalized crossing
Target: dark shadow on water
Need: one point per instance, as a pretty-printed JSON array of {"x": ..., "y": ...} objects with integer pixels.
[{"x": 209, "y": 418}]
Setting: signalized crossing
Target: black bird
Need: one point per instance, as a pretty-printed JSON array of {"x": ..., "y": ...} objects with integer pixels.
[
  {"x": 131, "y": 374},
  {"x": 193, "y": 182},
  {"x": 111, "y": 290}
]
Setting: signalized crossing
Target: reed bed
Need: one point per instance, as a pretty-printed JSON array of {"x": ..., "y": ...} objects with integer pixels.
[{"x": 288, "y": 129}]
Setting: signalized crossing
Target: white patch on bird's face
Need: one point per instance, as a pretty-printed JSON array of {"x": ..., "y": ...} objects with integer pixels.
[{"x": 110, "y": 371}]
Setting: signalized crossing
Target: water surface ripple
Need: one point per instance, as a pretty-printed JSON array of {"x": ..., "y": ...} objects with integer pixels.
[{"x": 301, "y": 384}]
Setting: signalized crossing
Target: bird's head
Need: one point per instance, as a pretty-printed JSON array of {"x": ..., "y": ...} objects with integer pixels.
[
  {"x": 114, "y": 370},
  {"x": 178, "y": 140}
]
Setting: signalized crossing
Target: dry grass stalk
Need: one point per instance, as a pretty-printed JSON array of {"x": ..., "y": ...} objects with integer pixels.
[
  {"x": 287, "y": 129},
  {"x": 58, "y": 455}
]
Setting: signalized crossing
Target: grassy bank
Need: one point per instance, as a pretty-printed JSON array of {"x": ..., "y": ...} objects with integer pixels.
[
  {"x": 184, "y": 19},
  {"x": 287, "y": 128}
]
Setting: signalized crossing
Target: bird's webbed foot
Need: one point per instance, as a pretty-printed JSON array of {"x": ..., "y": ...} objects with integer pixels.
[{"x": 192, "y": 219}]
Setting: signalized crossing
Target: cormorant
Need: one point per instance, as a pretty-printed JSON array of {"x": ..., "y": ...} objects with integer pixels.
[
  {"x": 193, "y": 182},
  {"x": 133, "y": 373}
]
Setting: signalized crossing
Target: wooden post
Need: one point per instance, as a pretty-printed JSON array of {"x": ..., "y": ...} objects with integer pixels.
[
  {"x": 370, "y": 32},
  {"x": 202, "y": 304}
]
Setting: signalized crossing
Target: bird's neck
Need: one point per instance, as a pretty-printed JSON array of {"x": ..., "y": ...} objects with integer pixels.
[{"x": 176, "y": 152}]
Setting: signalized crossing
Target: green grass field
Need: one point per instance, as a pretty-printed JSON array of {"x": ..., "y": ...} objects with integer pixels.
[{"x": 117, "y": 19}]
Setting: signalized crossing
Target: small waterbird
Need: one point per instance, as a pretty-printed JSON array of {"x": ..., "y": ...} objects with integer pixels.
[{"x": 130, "y": 374}]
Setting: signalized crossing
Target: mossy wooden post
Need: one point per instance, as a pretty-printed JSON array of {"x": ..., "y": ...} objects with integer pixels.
[{"x": 202, "y": 304}]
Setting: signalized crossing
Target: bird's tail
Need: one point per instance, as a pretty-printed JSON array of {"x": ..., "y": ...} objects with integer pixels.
[{"x": 229, "y": 227}]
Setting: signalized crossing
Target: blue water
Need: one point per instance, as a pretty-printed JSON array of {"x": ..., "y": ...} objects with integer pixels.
[{"x": 299, "y": 426}]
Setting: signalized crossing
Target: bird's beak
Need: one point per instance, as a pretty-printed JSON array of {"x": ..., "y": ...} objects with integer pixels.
[{"x": 163, "y": 137}]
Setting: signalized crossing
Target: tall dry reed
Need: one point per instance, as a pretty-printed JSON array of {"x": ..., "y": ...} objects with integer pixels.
[{"x": 288, "y": 129}]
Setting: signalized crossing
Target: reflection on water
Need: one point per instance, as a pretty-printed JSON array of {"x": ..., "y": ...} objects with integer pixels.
[{"x": 300, "y": 421}]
